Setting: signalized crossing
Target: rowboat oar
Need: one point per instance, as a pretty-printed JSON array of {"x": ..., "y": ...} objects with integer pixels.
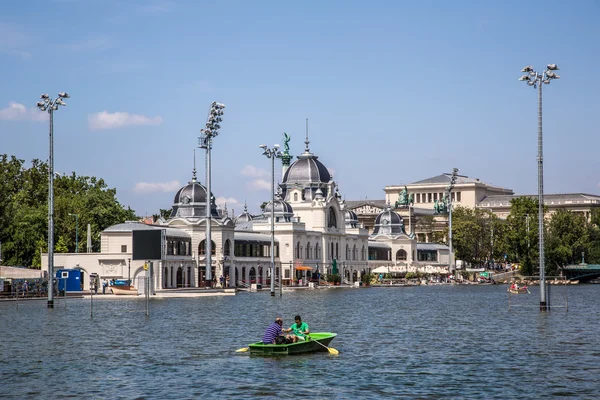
[
  {"x": 242, "y": 350},
  {"x": 331, "y": 350}
]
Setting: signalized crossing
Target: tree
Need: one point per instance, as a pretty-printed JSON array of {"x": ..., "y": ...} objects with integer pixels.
[
  {"x": 522, "y": 233},
  {"x": 24, "y": 210},
  {"x": 567, "y": 239},
  {"x": 475, "y": 233}
]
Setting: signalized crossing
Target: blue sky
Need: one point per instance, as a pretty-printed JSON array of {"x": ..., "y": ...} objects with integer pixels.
[{"x": 394, "y": 91}]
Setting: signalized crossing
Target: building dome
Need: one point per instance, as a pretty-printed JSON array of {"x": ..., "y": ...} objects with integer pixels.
[
  {"x": 282, "y": 211},
  {"x": 190, "y": 201},
  {"x": 244, "y": 217},
  {"x": 388, "y": 222},
  {"x": 351, "y": 219},
  {"x": 307, "y": 169}
]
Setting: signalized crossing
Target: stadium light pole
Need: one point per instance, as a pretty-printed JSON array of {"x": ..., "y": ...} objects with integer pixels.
[
  {"x": 51, "y": 105},
  {"x": 535, "y": 79},
  {"x": 273, "y": 154},
  {"x": 205, "y": 142},
  {"x": 76, "y": 231},
  {"x": 451, "y": 267}
]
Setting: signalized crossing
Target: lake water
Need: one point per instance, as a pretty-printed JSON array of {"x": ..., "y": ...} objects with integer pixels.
[{"x": 411, "y": 342}]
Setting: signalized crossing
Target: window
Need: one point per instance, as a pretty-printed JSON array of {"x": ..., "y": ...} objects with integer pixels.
[
  {"x": 295, "y": 196},
  {"x": 362, "y": 254},
  {"x": 347, "y": 252},
  {"x": 401, "y": 255},
  {"x": 227, "y": 248},
  {"x": 123, "y": 248},
  {"x": 435, "y": 196},
  {"x": 332, "y": 220},
  {"x": 337, "y": 252},
  {"x": 418, "y": 197},
  {"x": 298, "y": 250},
  {"x": 453, "y": 196},
  {"x": 308, "y": 251},
  {"x": 429, "y": 197},
  {"x": 458, "y": 198},
  {"x": 202, "y": 250}
]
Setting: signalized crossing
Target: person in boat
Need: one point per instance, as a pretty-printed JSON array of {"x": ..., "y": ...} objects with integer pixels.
[
  {"x": 299, "y": 328},
  {"x": 273, "y": 331}
]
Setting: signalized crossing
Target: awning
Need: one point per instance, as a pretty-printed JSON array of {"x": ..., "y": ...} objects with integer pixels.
[{"x": 303, "y": 268}]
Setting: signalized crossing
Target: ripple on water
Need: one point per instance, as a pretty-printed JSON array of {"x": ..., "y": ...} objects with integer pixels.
[{"x": 422, "y": 342}]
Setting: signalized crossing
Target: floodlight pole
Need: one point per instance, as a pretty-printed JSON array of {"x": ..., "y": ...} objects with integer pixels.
[
  {"x": 273, "y": 154},
  {"x": 536, "y": 80},
  {"x": 451, "y": 267},
  {"x": 51, "y": 105},
  {"x": 211, "y": 130}
]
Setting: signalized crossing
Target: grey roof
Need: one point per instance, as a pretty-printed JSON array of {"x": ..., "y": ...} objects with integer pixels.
[
  {"x": 246, "y": 236},
  {"x": 379, "y": 245},
  {"x": 549, "y": 199},
  {"x": 307, "y": 169},
  {"x": 388, "y": 222},
  {"x": 445, "y": 178},
  {"x": 190, "y": 202},
  {"x": 359, "y": 203},
  {"x": 432, "y": 246},
  {"x": 130, "y": 226}
]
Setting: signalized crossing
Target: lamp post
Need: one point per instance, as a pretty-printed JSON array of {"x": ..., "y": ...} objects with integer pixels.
[
  {"x": 205, "y": 142},
  {"x": 76, "y": 231},
  {"x": 536, "y": 80},
  {"x": 129, "y": 270},
  {"x": 273, "y": 153},
  {"x": 51, "y": 105},
  {"x": 449, "y": 192}
]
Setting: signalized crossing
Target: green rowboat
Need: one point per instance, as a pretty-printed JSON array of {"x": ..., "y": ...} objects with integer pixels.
[{"x": 315, "y": 342}]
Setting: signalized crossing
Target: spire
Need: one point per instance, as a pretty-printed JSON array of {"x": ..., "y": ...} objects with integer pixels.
[
  {"x": 245, "y": 206},
  {"x": 194, "y": 170},
  {"x": 306, "y": 149}
]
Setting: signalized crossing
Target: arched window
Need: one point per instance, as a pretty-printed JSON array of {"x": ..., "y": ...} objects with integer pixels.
[
  {"x": 337, "y": 251},
  {"x": 332, "y": 253},
  {"x": 295, "y": 196},
  {"x": 362, "y": 254},
  {"x": 298, "y": 250},
  {"x": 317, "y": 252},
  {"x": 401, "y": 255},
  {"x": 308, "y": 251},
  {"x": 347, "y": 252},
  {"x": 202, "y": 249},
  {"x": 227, "y": 248},
  {"x": 354, "y": 255},
  {"x": 332, "y": 219}
]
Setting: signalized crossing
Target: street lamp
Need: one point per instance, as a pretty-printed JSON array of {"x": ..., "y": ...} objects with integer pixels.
[
  {"x": 449, "y": 193},
  {"x": 536, "y": 79},
  {"x": 51, "y": 105},
  {"x": 205, "y": 142},
  {"x": 129, "y": 270},
  {"x": 76, "y": 231},
  {"x": 273, "y": 154}
]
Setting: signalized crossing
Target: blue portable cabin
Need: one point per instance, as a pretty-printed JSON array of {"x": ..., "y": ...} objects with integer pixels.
[{"x": 69, "y": 277}]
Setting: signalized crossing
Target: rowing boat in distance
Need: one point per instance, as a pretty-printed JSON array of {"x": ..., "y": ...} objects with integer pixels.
[
  {"x": 123, "y": 287},
  {"x": 317, "y": 341}
]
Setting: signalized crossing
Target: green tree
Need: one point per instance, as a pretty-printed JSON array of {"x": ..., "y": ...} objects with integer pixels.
[
  {"x": 567, "y": 238},
  {"x": 477, "y": 235},
  {"x": 24, "y": 210},
  {"x": 522, "y": 233}
]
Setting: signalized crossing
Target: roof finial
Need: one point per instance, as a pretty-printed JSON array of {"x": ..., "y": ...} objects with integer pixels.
[
  {"x": 307, "y": 150},
  {"x": 245, "y": 206},
  {"x": 194, "y": 170}
]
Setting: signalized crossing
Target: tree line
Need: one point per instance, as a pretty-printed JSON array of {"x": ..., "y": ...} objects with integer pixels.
[
  {"x": 24, "y": 211},
  {"x": 480, "y": 237}
]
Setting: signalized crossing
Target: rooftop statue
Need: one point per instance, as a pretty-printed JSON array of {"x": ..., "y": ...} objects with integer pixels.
[
  {"x": 441, "y": 207},
  {"x": 404, "y": 200},
  {"x": 286, "y": 145}
]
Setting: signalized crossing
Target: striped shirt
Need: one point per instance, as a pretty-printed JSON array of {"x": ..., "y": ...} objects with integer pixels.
[{"x": 271, "y": 333}]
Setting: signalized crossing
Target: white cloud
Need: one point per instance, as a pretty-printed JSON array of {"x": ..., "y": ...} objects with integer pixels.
[
  {"x": 229, "y": 200},
  {"x": 18, "y": 112},
  {"x": 253, "y": 172},
  {"x": 258, "y": 184},
  {"x": 331, "y": 172},
  {"x": 106, "y": 120},
  {"x": 149, "y": 187}
]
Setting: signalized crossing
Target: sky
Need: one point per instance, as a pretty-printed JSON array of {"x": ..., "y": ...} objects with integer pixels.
[{"x": 394, "y": 91}]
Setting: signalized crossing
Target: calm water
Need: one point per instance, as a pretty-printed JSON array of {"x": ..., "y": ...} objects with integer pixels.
[{"x": 416, "y": 342}]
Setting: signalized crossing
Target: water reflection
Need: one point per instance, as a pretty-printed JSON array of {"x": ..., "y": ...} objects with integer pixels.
[{"x": 431, "y": 342}]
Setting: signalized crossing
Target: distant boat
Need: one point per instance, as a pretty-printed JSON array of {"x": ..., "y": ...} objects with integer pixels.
[
  {"x": 521, "y": 290},
  {"x": 123, "y": 287}
]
